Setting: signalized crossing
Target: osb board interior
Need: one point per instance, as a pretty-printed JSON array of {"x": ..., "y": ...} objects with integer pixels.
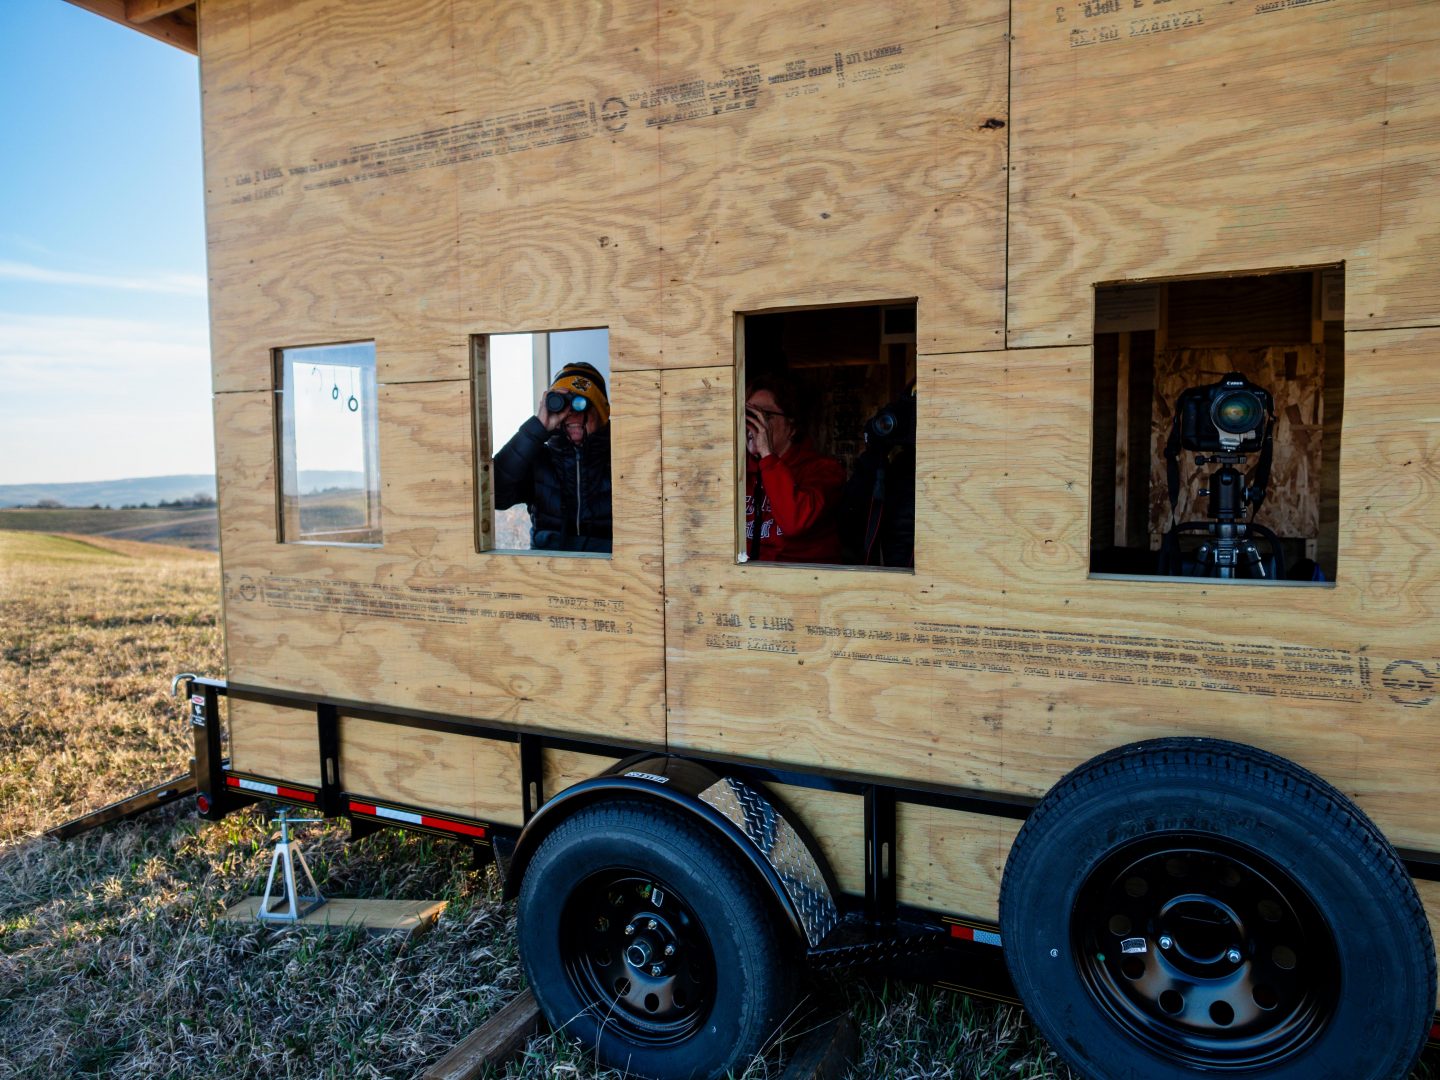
[
  {"x": 1294, "y": 376},
  {"x": 999, "y": 664},
  {"x": 1224, "y": 137},
  {"x": 424, "y": 621},
  {"x": 417, "y": 174}
]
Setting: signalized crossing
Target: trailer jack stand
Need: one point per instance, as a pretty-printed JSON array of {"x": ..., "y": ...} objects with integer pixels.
[{"x": 292, "y": 907}]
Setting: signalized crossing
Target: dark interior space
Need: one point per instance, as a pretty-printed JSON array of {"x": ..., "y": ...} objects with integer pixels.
[
  {"x": 854, "y": 368},
  {"x": 1189, "y": 348}
]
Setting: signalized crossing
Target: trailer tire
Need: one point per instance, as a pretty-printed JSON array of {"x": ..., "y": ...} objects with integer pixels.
[
  {"x": 1187, "y": 907},
  {"x": 607, "y": 893}
]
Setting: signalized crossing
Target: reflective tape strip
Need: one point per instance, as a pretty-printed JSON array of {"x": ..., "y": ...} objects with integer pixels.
[
  {"x": 980, "y": 937},
  {"x": 411, "y": 818},
  {"x": 270, "y": 789}
]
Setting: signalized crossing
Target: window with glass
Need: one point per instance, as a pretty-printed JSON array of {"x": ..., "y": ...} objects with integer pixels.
[
  {"x": 328, "y": 445},
  {"x": 542, "y": 431}
]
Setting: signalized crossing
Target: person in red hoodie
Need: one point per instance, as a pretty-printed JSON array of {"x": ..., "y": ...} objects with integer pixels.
[{"x": 792, "y": 492}]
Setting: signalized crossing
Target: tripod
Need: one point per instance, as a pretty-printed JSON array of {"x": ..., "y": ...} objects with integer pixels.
[{"x": 1229, "y": 550}]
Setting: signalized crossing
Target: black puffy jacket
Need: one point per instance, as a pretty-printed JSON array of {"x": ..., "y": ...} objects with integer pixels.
[{"x": 566, "y": 487}]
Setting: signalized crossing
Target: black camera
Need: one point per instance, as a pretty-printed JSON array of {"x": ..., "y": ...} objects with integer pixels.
[
  {"x": 893, "y": 425},
  {"x": 1232, "y": 416}
]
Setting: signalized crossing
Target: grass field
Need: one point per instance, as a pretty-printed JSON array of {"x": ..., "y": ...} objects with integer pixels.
[
  {"x": 112, "y": 960},
  {"x": 198, "y": 529}
]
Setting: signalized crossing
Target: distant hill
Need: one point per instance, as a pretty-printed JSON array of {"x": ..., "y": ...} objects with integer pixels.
[
  {"x": 116, "y": 493},
  {"x": 198, "y": 528}
]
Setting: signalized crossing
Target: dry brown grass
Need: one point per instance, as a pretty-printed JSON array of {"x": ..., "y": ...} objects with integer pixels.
[{"x": 113, "y": 962}]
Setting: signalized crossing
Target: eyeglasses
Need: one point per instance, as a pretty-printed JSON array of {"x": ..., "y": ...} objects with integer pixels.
[{"x": 767, "y": 412}]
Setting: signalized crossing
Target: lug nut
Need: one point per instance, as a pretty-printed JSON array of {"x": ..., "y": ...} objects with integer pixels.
[
  {"x": 1166, "y": 941},
  {"x": 651, "y": 925},
  {"x": 629, "y": 929},
  {"x": 1233, "y": 956},
  {"x": 669, "y": 950},
  {"x": 654, "y": 969}
]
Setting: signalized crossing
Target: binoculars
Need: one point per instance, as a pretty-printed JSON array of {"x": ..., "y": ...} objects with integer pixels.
[{"x": 555, "y": 401}]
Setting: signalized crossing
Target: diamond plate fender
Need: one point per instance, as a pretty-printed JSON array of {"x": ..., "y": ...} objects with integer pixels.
[{"x": 745, "y": 815}]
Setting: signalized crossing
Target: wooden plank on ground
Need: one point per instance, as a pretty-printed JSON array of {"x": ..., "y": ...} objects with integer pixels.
[
  {"x": 492, "y": 1043},
  {"x": 407, "y": 917}
]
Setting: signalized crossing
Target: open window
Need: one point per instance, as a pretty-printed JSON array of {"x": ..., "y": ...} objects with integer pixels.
[
  {"x": 543, "y": 473},
  {"x": 825, "y": 432},
  {"x": 326, "y": 431},
  {"x": 1216, "y": 447}
]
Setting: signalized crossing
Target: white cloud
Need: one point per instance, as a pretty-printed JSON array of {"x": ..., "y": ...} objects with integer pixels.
[{"x": 170, "y": 284}]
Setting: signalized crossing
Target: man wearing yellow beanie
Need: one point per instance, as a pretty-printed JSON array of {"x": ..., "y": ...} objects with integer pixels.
[{"x": 558, "y": 464}]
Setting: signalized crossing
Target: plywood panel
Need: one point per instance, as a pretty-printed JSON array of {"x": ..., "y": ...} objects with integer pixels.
[
  {"x": 999, "y": 663},
  {"x": 863, "y": 160},
  {"x": 1151, "y": 142},
  {"x": 275, "y": 742},
  {"x": 303, "y": 247},
  {"x": 426, "y": 622},
  {"x": 952, "y": 862},
  {"x": 566, "y": 768},
  {"x": 837, "y": 822},
  {"x": 419, "y": 173},
  {"x": 461, "y": 774}
]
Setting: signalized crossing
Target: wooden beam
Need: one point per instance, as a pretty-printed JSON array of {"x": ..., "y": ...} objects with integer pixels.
[
  {"x": 142, "y": 11},
  {"x": 176, "y": 28},
  {"x": 491, "y": 1045}
]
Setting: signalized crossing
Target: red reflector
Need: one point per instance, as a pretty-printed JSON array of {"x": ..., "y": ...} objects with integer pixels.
[
  {"x": 964, "y": 933},
  {"x": 362, "y": 808},
  {"x": 454, "y": 826},
  {"x": 233, "y": 781},
  {"x": 202, "y": 803},
  {"x": 292, "y": 793},
  {"x": 1435, "y": 1032}
]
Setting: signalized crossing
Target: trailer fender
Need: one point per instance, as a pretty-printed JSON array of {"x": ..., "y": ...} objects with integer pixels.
[{"x": 750, "y": 820}]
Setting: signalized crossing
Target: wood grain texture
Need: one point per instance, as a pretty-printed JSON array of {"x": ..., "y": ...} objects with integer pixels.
[
  {"x": 418, "y": 174},
  {"x": 275, "y": 742},
  {"x": 877, "y": 181},
  {"x": 1000, "y": 664},
  {"x": 1158, "y": 143},
  {"x": 427, "y": 622},
  {"x": 476, "y": 778}
]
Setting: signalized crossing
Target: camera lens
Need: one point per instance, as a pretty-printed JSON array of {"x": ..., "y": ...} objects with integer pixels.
[
  {"x": 1237, "y": 412},
  {"x": 883, "y": 424}
]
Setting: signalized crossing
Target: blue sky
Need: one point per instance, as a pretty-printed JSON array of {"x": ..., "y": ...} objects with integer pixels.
[{"x": 104, "y": 343}]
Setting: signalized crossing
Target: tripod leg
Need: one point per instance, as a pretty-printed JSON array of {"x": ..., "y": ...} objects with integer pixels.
[{"x": 1254, "y": 564}]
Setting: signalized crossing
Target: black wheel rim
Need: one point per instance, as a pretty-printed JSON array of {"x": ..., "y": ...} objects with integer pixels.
[
  {"x": 1205, "y": 951},
  {"x": 637, "y": 956}
]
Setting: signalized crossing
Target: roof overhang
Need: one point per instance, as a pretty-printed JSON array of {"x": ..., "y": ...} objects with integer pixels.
[{"x": 170, "y": 21}]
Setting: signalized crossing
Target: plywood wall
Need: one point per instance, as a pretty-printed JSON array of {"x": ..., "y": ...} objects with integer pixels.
[{"x": 423, "y": 172}]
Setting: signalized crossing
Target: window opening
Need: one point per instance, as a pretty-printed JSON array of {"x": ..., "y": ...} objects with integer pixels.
[
  {"x": 826, "y": 435},
  {"x": 1216, "y": 445},
  {"x": 327, "y": 444},
  {"x": 542, "y": 427}
]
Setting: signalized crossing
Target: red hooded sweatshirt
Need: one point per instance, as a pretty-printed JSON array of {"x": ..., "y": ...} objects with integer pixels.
[{"x": 800, "y": 495}]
